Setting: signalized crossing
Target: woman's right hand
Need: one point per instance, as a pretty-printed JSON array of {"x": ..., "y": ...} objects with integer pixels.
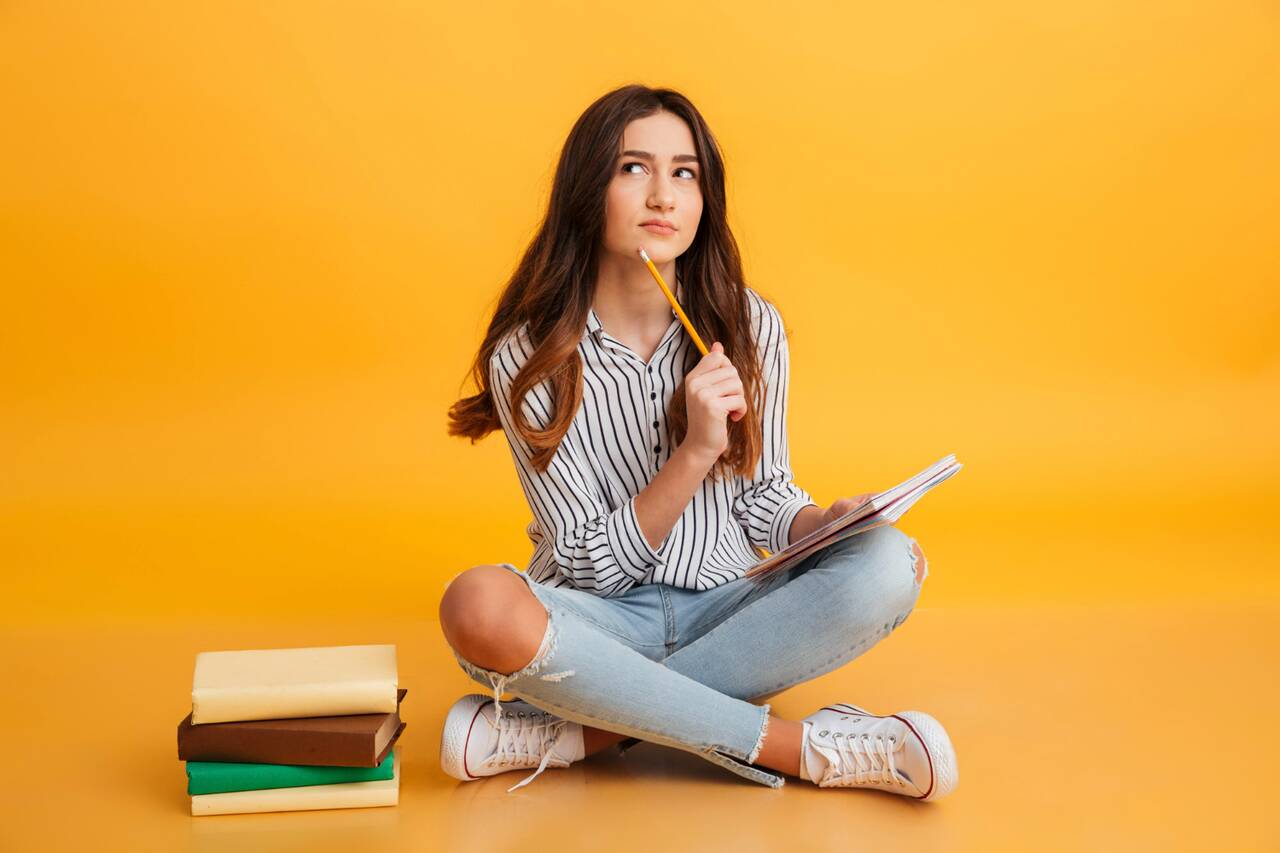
[{"x": 712, "y": 392}]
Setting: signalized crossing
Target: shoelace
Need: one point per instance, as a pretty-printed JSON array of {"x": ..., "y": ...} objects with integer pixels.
[
  {"x": 858, "y": 757},
  {"x": 523, "y": 735}
]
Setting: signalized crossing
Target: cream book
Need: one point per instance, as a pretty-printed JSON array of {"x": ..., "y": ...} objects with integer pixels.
[
  {"x": 343, "y": 795},
  {"x": 272, "y": 684}
]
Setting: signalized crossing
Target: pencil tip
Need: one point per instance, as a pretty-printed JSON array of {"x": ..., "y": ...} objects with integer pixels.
[{"x": 643, "y": 256}]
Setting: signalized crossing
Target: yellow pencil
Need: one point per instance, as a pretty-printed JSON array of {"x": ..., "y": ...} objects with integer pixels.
[{"x": 657, "y": 276}]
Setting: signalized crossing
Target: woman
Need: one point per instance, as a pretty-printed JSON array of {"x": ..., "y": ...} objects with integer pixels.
[{"x": 656, "y": 478}]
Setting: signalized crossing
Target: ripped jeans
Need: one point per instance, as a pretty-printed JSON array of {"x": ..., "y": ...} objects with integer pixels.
[{"x": 677, "y": 666}]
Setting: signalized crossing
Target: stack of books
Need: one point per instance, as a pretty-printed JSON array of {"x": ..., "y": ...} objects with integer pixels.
[{"x": 274, "y": 730}]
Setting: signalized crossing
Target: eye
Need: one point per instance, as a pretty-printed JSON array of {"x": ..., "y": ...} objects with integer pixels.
[{"x": 626, "y": 166}]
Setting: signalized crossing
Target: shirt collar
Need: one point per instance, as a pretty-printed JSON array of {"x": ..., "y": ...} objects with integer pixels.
[{"x": 594, "y": 327}]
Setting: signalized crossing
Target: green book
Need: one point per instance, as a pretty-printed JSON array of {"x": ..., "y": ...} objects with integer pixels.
[{"x": 217, "y": 777}]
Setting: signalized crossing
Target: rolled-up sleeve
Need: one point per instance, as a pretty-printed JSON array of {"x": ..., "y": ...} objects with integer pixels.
[
  {"x": 597, "y": 548},
  {"x": 767, "y": 503}
]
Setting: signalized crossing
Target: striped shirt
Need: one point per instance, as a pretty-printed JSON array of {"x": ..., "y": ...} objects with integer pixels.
[{"x": 584, "y": 529}]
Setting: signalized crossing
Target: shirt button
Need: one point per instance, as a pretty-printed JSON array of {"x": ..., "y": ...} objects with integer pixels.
[
  {"x": 657, "y": 448},
  {"x": 653, "y": 395},
  {"x": 655, "y": 423}
]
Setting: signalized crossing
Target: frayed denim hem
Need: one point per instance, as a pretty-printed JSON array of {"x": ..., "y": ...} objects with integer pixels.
[
  {"x": 764, "y": 731},
  {"x": 744, "y": 766},
  {"x": 746, "y": 771}
]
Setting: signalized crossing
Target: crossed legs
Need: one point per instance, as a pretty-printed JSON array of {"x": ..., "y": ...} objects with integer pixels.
[{"x": 851, "y": 597}]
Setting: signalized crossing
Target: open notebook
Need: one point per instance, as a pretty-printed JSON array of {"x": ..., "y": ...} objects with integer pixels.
[{"x": 883, "y": 508}]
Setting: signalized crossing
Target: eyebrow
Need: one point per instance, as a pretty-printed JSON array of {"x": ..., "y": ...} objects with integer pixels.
[{"x": 645, "y": 155}]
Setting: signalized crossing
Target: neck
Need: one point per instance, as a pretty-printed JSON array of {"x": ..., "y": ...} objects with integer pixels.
[{"x": 627, "y": 299}]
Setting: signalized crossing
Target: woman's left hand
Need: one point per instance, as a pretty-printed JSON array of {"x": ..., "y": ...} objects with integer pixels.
[{"x": 843, "y": 507}]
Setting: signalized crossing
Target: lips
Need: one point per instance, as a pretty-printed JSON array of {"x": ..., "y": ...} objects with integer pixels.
[{"x": 655, "y": 227}]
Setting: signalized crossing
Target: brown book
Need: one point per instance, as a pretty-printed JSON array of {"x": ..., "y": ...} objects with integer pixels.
[{"x": 353, "y": 740}]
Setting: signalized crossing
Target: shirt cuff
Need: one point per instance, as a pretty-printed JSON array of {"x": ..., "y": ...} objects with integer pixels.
[
  {"x": 631, "y": 550},
  {"x": 780, "y": 530}
]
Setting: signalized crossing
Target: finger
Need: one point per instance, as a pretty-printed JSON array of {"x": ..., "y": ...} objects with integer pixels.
[
  {"x": 719, "y": 379},
  {"x": 716, "y": 352},
  {"x": 731, "y": 403},
  {"x": 720, "y": 374},
  {"x": 711, "y": 361},
  {"x": 713, "y": 396},
  {"x": 728, "y": 386},
  {"x": 709, "y": 379},
  {"x": 849, "y": 504}
]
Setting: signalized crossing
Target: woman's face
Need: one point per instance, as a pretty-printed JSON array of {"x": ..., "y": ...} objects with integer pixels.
[{"x": 654, "y": 178}]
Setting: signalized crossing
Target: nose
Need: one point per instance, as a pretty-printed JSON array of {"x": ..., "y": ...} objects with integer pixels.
[{"x": 660, "y": 192}]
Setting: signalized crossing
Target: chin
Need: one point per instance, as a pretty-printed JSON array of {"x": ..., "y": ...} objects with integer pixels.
[{"x": 660, "y": 252}]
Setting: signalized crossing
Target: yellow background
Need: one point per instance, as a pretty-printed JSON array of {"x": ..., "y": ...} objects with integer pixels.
[
  {"x": 248, "y": 254},
  {"x": 248, "y": 251}
]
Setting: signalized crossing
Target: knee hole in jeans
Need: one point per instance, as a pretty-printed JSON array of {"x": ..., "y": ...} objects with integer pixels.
[{"x": 488, "y": 617}]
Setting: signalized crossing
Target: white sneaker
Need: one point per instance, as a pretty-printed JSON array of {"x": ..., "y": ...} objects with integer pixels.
[
  {"x": 907, "y": 753},
  {"x": 478, "y": 742}
]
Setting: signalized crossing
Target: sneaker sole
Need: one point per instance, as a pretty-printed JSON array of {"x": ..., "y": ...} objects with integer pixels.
[{"x": 457, "y": 732}]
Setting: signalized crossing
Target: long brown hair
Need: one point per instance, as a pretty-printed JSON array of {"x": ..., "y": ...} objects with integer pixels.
[{"x": 551, "y": 289}]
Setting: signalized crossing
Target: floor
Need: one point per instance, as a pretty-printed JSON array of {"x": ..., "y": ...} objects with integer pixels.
[{"x": 1078, "y": 727}]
